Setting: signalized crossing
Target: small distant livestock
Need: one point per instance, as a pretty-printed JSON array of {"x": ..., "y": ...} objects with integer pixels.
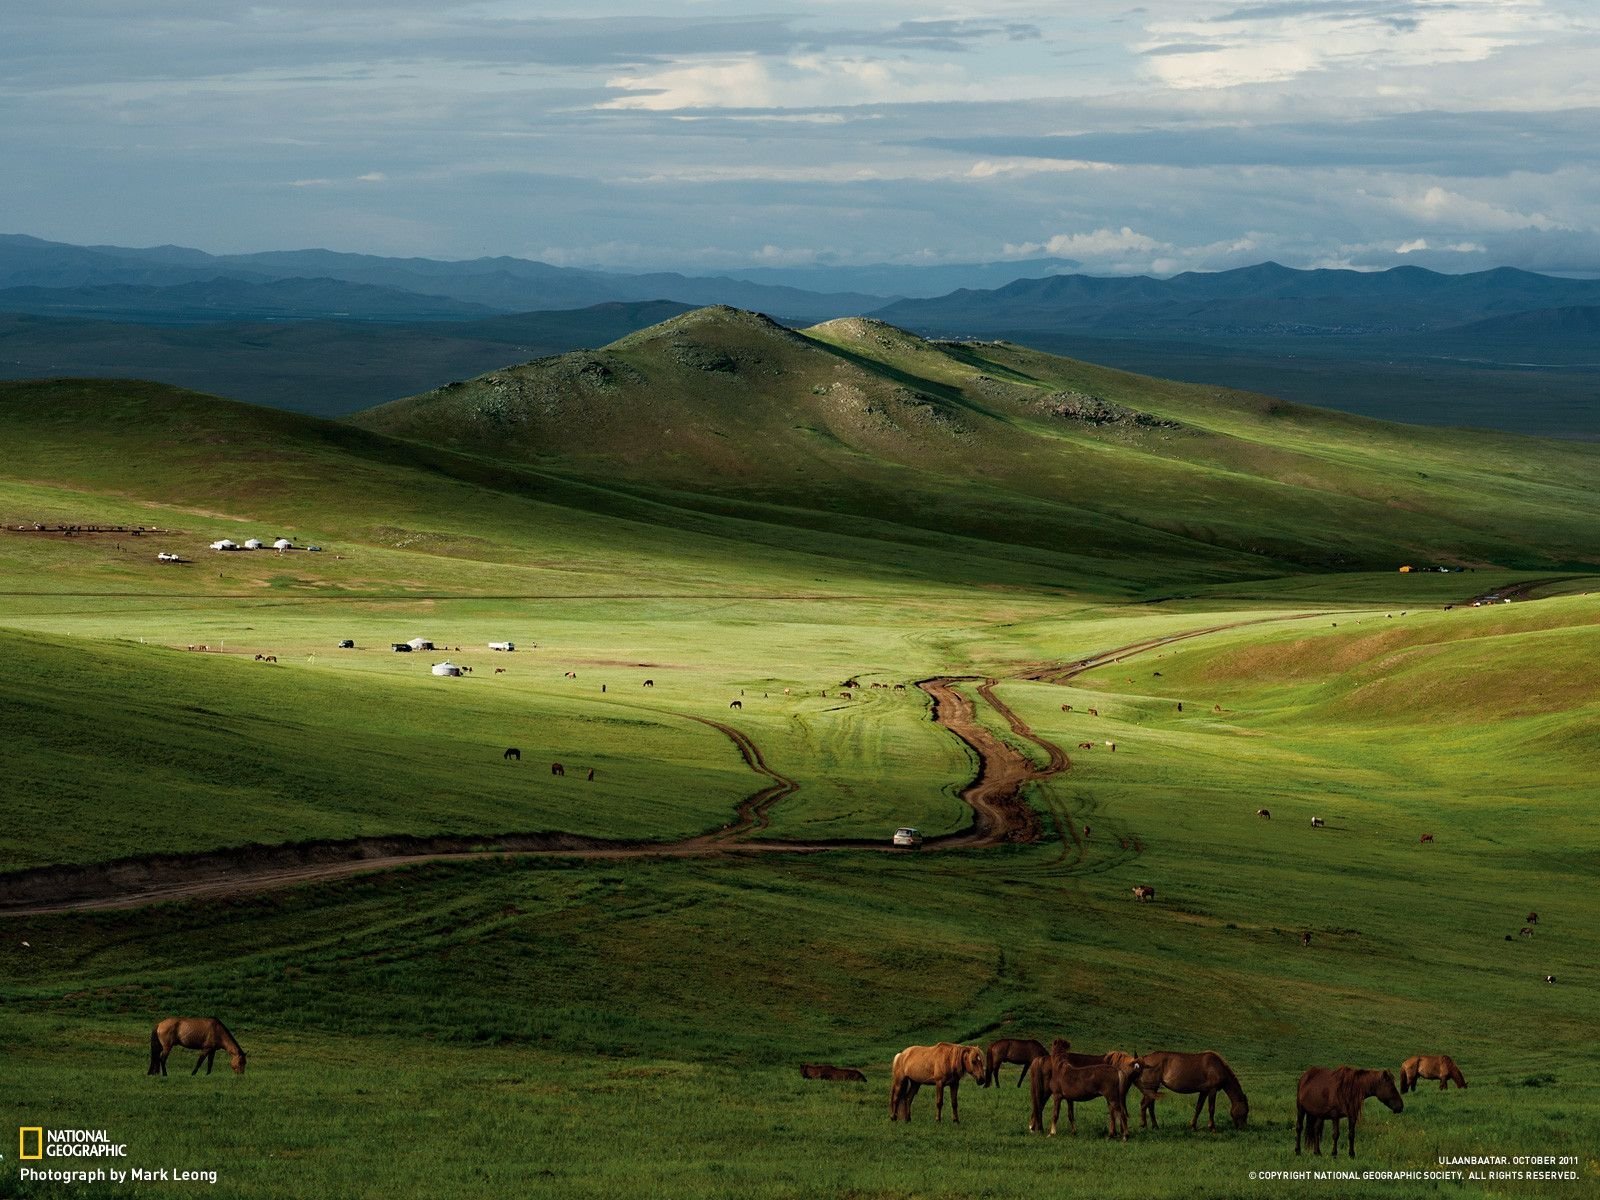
[
  {"x": 939, "y": 1066},
  {"x": 1216, "y": 710},
  {"x": 899, "y": 687},
  {"x": 591, "y": 775},
  {"x": 1305, "y": 938},
  {"x": 1055, "y": 1077},
  {"x": 557, "y": 769},
  {"x": 824, "y": 1071},
  {"x": 1180, "y": 705},
  {"x": 1549, "y": 978},
  {"x": 1066, "y": 708},
  {"x": 1011, "y": 1050},
  {"x": 844, "y": 695},
  {"x": 571, "y": 675},
  {"x": 1112, "y": 746},
  {"x": 513, "y": 752},
  {"x": 1094, "y": 712},
  {"x": 1264, "y": 814},
  {"x": 1085, "y": 831},
  {"x": 1525, "y": 931},
  {"x": 205, "y": 1034},
  {"x": 1427, "y": 837},
  {"x": 499, "y": 670},
  {"x": 737, "y": 704},
  {"x": 1338, "y": 1093},
  {"x": 1318, "y": 823},
  {"x": 1202, "y": 1075},
  {"x": 649, "y": 683},
  {"x": 1532, "y": 918},
  {"x": 1143, "y": 893},
  {"x": 1430, "y": 1066},
  {"x": 851, "y": 683},
  {"x": 1085, "y": 745}
]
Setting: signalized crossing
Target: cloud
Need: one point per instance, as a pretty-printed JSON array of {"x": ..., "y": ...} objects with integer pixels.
[{"x": 1442, "y": 207}]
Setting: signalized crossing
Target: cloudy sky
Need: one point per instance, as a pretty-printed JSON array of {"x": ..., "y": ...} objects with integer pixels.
[{"x": 1160, "y": 137}]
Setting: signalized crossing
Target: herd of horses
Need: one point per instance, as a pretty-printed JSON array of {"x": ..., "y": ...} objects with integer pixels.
[{"x": 1323, "y": 1094}]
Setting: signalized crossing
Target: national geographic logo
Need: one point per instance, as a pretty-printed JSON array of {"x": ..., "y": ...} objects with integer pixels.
[{"x": 34, "y": 1142}]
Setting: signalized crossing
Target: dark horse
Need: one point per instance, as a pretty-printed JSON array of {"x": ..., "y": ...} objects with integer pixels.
[
  {"x": 837, "y": 1074},
  {"x": 1054, "y": 1075},
  {"x": 1012, "y": 1050},
  {"x": 1338, "y": 1093},
  {"x": 513, "y": 752},
  {"x": 1204, "y": 1075},
  {"x": 205, "y": 1034}
]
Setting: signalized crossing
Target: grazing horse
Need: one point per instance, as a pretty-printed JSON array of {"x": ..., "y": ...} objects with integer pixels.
[
  {"x": 557, "y": 769},
  {"x": 1264, "y": 814},
  {"x": 1430, "y": 1066},
  {"x": 1085, "y": 745},
  {"x": 737, "y": 704},
  {"x": 899, "y": 687},
  {"x": 824, "y": 1071},
  {"x": 1338, "y": 1093},
  {"x": 1066, "y": 708},
  {"x": 941, "y": 1066},
  {"x": 1525, "y": 931},
  {"x": 513, "y": 752},
  {"x": 1318, "y": 823},
  {"x": 205, "y": 1034},
  {"x": 1011, "y": 1050},
  {"x": 1203, "y": 1074},
  {"x": 844, "y": 695},
  {"x": 499, "y": 670},
  {"x": 1094, "y": 712},
  {"x": 1305, "y": 938},
  {"x": 1532, "y": 918},
  {"x": 272, "y": 658},
  {"x": 649, "y": 683},
  {"x": 1055, "y": 1076},
  {"x": 1143, "y": 893},
  {"x": 591, "y": 775},
  {"x": 1427, "y": 837}
]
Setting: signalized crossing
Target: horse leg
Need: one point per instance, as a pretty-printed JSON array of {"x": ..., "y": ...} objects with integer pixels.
[
  {"x": 1199, "y": 1103},
  {"x": 1055, "y": 1115},
  {"x": 211, "y": 1058},
  {"x": 1211, "y": 1109},
  {"x": 938, "y": 1104},
  {"x": 1444, "y": 1083},
  {"x": 197, "y": 1063},
  {"x": 1336, "y": 1120},
  {"x": 1352, "y": 1139},
  {"x": 955, "y": 1107},
  {"x": 1147, "y": 1108}
]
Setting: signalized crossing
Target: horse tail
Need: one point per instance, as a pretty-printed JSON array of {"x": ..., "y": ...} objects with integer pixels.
[
  {"x": 1036, "y": 1090},
  {"x": 155, "y": 1052}
]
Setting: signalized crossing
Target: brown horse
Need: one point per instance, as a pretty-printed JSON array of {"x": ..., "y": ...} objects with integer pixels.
[
  {"x": 1430, "y": 1066},
  {"x": 824, "y": 1071},
  {"x": 1054, "y": 1075},
  {"x": 205, "y": 1034},
  {"x": 941, "y": 1066},
  {"x": 557, "y": 769},
  {"x": 1203, "y": 1074},
  {"x": 1012, "y": 1050},
  {"x": 1338, "y": 1093}
]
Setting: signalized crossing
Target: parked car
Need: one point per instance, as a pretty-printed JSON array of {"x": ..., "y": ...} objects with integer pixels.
[
  {"x": 907, "y": 836},
  {"x": 314, "y": 549}
]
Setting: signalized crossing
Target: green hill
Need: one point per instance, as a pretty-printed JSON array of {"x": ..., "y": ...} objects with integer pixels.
[{"x": 855, "y": 419}]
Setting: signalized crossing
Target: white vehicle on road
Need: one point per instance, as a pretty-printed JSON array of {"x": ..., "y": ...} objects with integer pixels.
[{"x": 907, "y": 836}]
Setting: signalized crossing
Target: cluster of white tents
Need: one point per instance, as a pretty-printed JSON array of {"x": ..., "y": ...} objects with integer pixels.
[{"x": 251, "y": 544}]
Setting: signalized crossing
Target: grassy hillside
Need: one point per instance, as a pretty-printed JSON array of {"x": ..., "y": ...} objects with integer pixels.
[{"x": 1004, "y": 444}]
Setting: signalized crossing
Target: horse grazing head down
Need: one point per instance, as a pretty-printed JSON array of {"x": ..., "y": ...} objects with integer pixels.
[
  {"x": 975, "y": 1063},
  {"x": 237, "y": 1062},
  {"x": 1239, "y": 1110},
  {"x": 1384, "y": 1089}
]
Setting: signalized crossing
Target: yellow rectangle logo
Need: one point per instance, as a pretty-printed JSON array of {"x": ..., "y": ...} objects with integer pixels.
[{"x": 38, "y": 1141}]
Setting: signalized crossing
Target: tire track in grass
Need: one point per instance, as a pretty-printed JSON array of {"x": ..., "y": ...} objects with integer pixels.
[{"x": 995, "y": 795}]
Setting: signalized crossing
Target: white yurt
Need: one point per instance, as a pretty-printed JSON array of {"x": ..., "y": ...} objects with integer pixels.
[
  {"x": 420, "y": 644},
  {"x": 224, "y": 544},
  {"x": 253, "y": 543},
  {"x": 283, "y": 544},
  {"x": 446, "y": 668}
]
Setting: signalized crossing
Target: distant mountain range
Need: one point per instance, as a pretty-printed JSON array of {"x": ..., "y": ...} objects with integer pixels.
[
  {"x": 63, "y": 279},
  {"x": 327, "y": 332},
  {"x": 1267, "y": 299}
]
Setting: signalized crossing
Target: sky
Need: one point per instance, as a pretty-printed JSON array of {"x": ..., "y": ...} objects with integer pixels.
[{"x": 1160, "y": 137}]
